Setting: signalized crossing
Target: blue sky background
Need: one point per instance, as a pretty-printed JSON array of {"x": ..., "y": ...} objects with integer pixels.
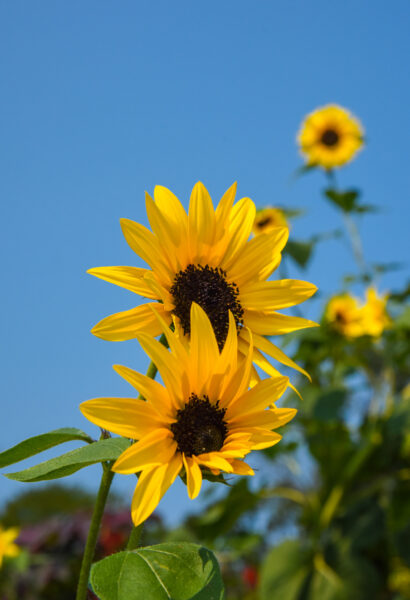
[{"x": 101, "y": 101}]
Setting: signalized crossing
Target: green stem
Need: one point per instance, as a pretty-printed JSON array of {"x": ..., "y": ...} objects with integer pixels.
[
  {"x": 134, "y": 539},
  {"x": 356, "y": 242},
  {"x": 89, "y": 551}
]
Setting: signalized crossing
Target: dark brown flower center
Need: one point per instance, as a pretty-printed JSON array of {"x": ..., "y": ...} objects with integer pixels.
[
  {"x": 264, "y": 222},
  {"x": 330, "y": 137},
  {"x": 200, "y": 426},
  {"x": 208, "y": 287}
]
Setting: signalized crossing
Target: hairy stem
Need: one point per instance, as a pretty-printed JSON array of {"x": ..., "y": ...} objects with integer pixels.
[{"x": 89, "y": 551}]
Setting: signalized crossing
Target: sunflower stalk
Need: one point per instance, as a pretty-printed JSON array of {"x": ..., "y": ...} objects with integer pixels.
[{"x": 98, "y": 512}]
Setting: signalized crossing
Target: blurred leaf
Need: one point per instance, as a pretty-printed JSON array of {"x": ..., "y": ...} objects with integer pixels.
[
  {"x": 301, "y": 252},
  {"x": 61, "y": 466},
  {"x": 325, "y": 405},
  {"x": 344, "y": 200},
  {"x": 39, "y": 443},
  {"x": 178, "y": 571},
  {"x": 286, "y": 571}
]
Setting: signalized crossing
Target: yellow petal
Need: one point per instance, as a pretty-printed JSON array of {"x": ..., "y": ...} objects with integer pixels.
[
  {"x": 152, "y": 485},
  {"x": 193, "y": 476},
  {"x": 266, "y": 346},
  {"x": 129, "y": 417},
  {"x": 213, "y": 460},
  {"x": 148, "y": 388},
  {"x": 223, "y": 210},
  {"x": 155, "y": 448},
  {"x": 241, "y": 468},
  {"x": 272, "y": 295},
  {"x": 130, "y": 278},
  {"x": 274, "y": 323},
  {"x": 264, "y": 439},
  {"x": 126, "y": 325},
  {"x": 172, "y": 209},
  {"x": 201, "y": 222},
  {"x": 167, "y": 235},
  {"x": 257, "y": 254},
  {"x": 239, "y": 381},
  {"x": 204, "y": 349},
  {"x": 285, "y": 414},
  {"x": 242, "y": 218},
  {"x": 261, "y": 396},
  {"x": 145, "y": 244},
  {"x": 166, "y": 364}
]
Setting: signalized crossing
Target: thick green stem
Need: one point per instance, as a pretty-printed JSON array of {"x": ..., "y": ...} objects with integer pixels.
[
  {"x": 89, "y": 551},
  {"x": 134, "y": 539}
]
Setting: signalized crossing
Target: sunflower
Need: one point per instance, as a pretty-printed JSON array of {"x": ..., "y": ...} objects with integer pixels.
[
  {"x": 206, "y": 257},
  {"x": 343, "y": 313},
  {"x": 7, "y": 545},
  {"x": 205, "y": 419},
  {"x": 375, "y": 318},
  {"x": 330, "y": 137},
  {"x": 267, "y": 219}
]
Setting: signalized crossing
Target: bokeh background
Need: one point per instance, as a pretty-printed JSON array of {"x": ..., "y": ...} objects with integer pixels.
[{"x": 101, "y": 101}]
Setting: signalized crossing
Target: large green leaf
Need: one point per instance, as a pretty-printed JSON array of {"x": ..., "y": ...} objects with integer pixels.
[
  {"x": 177, "y": 571},
  {"x": 286, "y": 571},
  {"x": 39, "y": 443},
  {"x": 68, "y": 463},
  {"x": 344, "y": 200}
]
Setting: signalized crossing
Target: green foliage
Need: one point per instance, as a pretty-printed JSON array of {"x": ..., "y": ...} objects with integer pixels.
[
  {"x": 348, "y": 201},
  {"x": 178, "y": 571},
  {"x": 61, "y": 466},
  {"x": 39, "y": 443}
]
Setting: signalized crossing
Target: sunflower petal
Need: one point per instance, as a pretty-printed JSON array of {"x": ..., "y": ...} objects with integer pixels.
[
  {"x": 273, "y": 295},
  {"x": 204, "y": 348},
  {"x": 155, "y": 448},
  {"x": 274, "y": 323},
  {"x": 130, "y": 278},
  {"x": 259, "y": 397},
  {"x": 126, "y": 325},
  {"x": 152, "y": 485},
  {"x": 129, "y": 417},
  {"x": 193, "y": 476},
  {"x": 242, "y": 218},
  {"x": 149, "y": 389},
  {"x": 241, "y": 468}
]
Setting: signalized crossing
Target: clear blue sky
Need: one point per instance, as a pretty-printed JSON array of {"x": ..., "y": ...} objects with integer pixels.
[{"x": 103, "y": 100}]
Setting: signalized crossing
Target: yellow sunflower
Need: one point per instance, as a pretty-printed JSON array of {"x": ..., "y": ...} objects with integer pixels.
[
  {"x": 375, "y": 318},
  {"x": 7, "y": 545},
  {"x": 330, "y": 137},
  {"x": 205, "y": 418},
  {"x": 206, "y": 256},
  {"x": 267, "y": 219},
  {"x": 343, "y": 313}
]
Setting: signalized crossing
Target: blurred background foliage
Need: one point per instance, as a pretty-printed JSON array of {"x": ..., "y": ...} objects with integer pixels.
[{"x": 328, "y": 515}]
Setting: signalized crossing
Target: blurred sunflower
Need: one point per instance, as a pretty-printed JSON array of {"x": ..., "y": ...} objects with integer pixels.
[
  {"x": 343, "y": 313},
  {"x": 206, "y": 257},
  {"x": 267, "y": 219},
  {"x": 354, "y": 319},
  {"x": 7, "y": 545},
  {"x": 205, "y": 418},
  {"x": 375, "y": 318},
  {"x": 330, "y": 137}
]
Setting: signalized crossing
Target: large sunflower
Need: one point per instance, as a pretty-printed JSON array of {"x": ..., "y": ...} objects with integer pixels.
[
  {"x": 205, "y": 418},
  {"x": 206, "y": 257},
  {"x": 330, "y": 137}
]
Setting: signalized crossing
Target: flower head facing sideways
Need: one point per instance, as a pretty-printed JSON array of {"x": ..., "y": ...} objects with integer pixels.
[
  {"x": 205, "y": 417},
  {"x": 206, "y": 257}
]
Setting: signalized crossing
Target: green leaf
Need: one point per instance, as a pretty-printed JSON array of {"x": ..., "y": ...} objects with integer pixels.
[
  {"x": 39, "y": 443},
  {"x": 344, "y": 200},
  {"x": 301, "y": 252},
  {"x": 286, "y": 571},
  {"x": 177, "y": 571},
  {"x": 73, "y": 461}
]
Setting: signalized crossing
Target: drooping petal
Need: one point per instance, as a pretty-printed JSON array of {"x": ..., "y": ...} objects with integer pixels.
[
  {"x": 193, "y": 476},
  {"x": 126, "y": 325},
  {"x": 129, "y": 417},
  {"x": 239, "y": 467},
  {"x": 274, "y": 323},
  {"x": 273, "y": 295},
  {"x": 130, "y": 278},
  {"x": 152, "y": 485},
  {"x": 156, "y": 448}
]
